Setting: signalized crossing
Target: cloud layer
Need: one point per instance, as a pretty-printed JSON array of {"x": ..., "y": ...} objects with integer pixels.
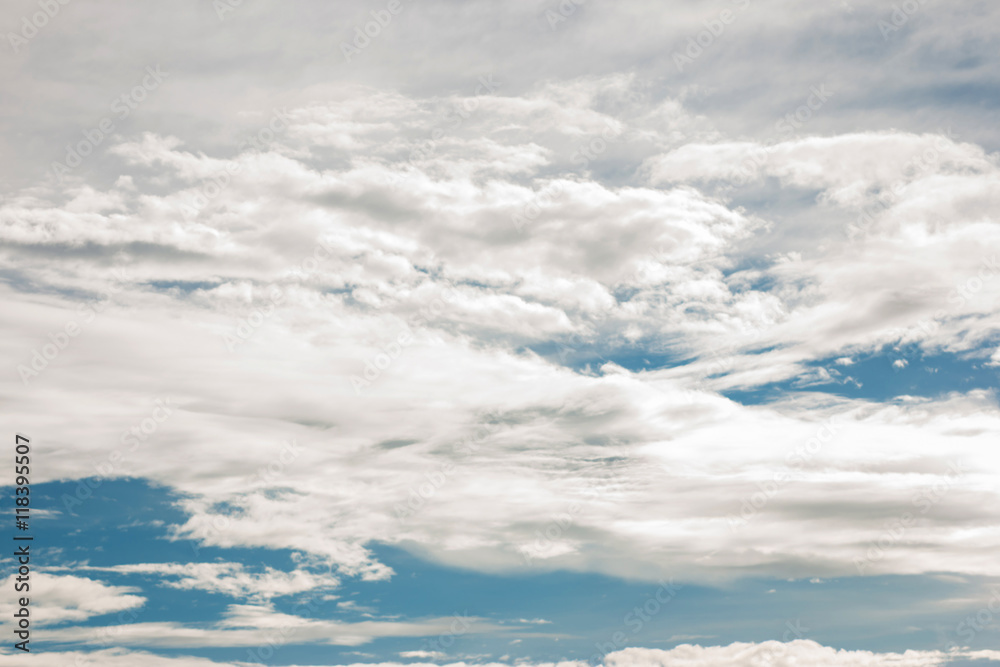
[{"x": 621, "y": 289}]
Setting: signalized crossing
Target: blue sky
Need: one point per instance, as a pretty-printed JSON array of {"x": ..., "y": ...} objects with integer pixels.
[
  {"x": 546, "y": 615},
  {"x": 482, "y": 333}
]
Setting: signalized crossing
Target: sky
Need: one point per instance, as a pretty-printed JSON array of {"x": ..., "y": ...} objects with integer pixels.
[{"x": 529, "y": 333}]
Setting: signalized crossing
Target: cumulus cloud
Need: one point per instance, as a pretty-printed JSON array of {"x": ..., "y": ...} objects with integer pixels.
[
  {"x": 365, "y": 279},
  {"x": 773, "y": 653}
]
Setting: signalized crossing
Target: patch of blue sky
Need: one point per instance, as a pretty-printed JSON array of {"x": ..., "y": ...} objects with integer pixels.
[
  {"x": 589, "y": 357},
  {"x": 185, "y": 286},
  {"x": 883, "y": 375}
]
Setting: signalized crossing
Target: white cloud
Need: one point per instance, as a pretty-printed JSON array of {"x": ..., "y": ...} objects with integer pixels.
[
  {"x": 433, "y": 655},
  {"x": 799, "y": 652},
  {"x": 231, "y": 579},
  {"x": 598, "y": 208},
  {"x": 257, "y": 625},
  {"x": 776, "y": 653},
  {"x": 657, "y": 268},
  {"x": 61, "y": 598}
]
